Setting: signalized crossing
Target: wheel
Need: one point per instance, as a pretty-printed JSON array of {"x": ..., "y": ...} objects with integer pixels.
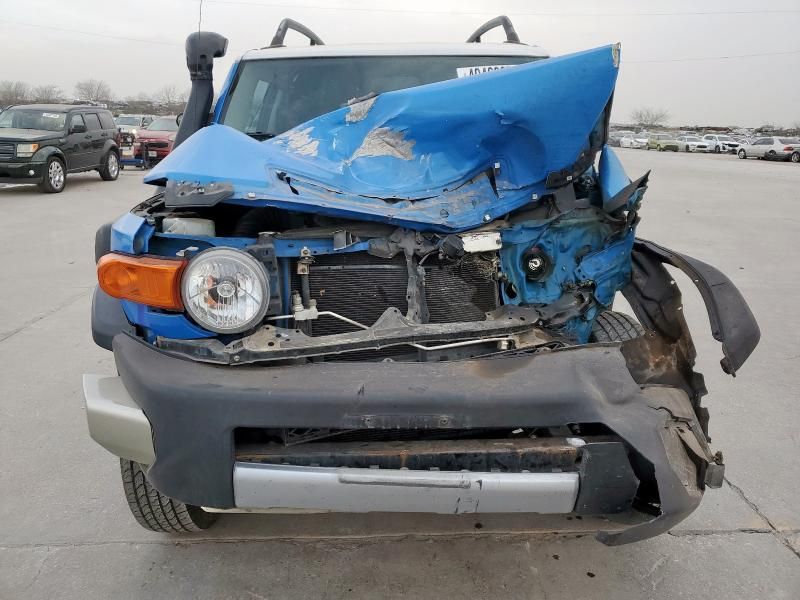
[
  {"x": 156, "y": 512},
  {"x": 742, "y": 154},
  {"x": 110, "y": 169},
  {"x": 660, "y": 148},
  {"x": 687, "y": 148},
  {"x": 717, "y": 150},
  {"x": 770, "y": 155},
  {"x": 55, "y": 176},
  {"x": 675, "y": 149},
  {"x": 795, "y": 157},
  {"x": 610, "y": 326}
]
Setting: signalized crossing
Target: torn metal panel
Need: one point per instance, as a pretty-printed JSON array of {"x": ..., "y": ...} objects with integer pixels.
[{"x": 446, "y": 156}]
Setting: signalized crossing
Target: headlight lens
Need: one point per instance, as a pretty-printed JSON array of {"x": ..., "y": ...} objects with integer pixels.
[
  {"x": 225, "y": 290},
  {"x": 26, "y": 150}
]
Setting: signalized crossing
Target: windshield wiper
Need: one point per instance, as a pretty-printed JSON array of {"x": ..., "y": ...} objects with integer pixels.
[{"x": 261, "y": 135}]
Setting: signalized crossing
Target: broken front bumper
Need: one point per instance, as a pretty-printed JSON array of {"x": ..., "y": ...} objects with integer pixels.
[{"x": 644, "y": 391}]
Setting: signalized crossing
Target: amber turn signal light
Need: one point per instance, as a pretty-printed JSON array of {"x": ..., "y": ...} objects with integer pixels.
[{"x": 143, "y": 279}]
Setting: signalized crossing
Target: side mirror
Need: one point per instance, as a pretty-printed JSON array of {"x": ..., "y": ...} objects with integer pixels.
[
  {"x": 178, "y": 119},
  {"x": 77, "y": 129}
]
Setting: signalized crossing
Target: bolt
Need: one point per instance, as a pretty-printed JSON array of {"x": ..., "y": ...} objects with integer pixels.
[
  {"x": 535, "y": 264},
  {"x": 251, "y": 195},
  {"x": 487, "y": 217}
]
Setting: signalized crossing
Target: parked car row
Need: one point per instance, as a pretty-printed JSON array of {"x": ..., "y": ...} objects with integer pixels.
[{"x": 765, "y": 147}]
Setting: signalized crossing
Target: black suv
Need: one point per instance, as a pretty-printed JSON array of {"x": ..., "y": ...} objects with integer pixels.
[{"x": 41, "y": 143}]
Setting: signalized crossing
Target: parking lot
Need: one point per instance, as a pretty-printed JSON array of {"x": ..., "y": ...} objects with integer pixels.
[{"x": 65, "y": 531}]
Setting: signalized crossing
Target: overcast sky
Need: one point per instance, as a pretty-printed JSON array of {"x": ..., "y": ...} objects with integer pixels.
[{"x": 666, "y": 58}]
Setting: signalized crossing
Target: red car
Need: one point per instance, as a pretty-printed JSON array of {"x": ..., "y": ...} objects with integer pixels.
[{"x": 159, "y": 137}]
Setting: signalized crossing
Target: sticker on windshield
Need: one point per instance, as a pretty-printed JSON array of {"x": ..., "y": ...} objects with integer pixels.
[
  {"x": 470, "y": 71},
  {"x": 52, "y": 115}
]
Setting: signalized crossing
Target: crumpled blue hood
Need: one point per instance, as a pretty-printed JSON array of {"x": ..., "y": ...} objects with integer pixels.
[{"x": 445, "y": 157}]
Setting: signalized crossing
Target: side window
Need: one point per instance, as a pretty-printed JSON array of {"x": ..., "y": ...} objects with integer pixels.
[
  {"x": 106, "y": 120},
  {"x": 92, "y": 122},
  {"x": 77, "y": 120}
]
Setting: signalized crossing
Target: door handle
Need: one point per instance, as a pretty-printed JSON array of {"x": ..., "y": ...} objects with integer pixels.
[{"x": 87, "y": 137}]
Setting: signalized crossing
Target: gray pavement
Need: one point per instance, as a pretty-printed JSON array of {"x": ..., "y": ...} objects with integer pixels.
[{"x": 65, "y": 531}]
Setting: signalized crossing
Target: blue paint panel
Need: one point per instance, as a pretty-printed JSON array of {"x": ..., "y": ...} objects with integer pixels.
[
  {"x": 417, "y": 157},
  {"x": 130, "y": 234},
  {"x": 226, "y": 87},
  {"x": 613, "y": 178},
  {"x": 609, "y": 268},
  {"x": 156, "y": 322}
]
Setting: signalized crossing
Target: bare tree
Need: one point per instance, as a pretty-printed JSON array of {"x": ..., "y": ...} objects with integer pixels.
[
  {"x": 93, "y": 90},
  {"x": 171, "y": 98},
  {"x": 14, "y": 92},
  {"x": 649, "y": 117},
  {"x": 47, "y": 94}
]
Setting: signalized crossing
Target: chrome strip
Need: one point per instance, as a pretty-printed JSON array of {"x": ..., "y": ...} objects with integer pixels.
[{"x": 265, "y": 486}]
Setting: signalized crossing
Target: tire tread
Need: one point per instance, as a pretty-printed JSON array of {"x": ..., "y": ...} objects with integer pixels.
[
  {"x": 610, "y": 326},
  {"x": 155, "y": 511}
]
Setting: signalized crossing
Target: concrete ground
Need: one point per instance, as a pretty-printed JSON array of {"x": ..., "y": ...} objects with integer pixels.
[{"x": 65, "y": 531}]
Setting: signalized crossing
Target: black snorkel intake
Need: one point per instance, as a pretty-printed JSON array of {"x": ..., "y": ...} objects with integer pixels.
[{"x": 202, "y": 47}]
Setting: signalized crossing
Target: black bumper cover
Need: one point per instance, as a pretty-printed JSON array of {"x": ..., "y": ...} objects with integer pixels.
[{"x": 644, "y": 390}]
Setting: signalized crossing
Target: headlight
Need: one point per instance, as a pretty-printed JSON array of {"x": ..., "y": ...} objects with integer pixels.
[
  {"x": 26, "y": 150},
  {"x": 225, "y": 290},
  {"x": 133, "y": 131}
]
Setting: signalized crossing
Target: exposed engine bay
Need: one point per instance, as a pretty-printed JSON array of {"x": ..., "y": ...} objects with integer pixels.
[{"x": 359, "y": 290}]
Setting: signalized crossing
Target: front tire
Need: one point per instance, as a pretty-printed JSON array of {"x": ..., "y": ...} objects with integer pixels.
[
  {"x": 717, "y": 150},
  {"x": 742, "y": 154},
  {"x": 155, "y": 511},
  {"x": 795, "y": 157},
  {"x": 611, "y": 326},
  {"x": 110, "y": 169},
  {"x": 55, "y": 176}
]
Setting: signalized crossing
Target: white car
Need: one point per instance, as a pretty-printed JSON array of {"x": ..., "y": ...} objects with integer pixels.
[
  {"x": 692, "y": 143},
  {"x": 638, "y": 140},
  {"x": 718, "y": 142},
  {"x": 133, "y": 123},
  {"x": 772, "y": 148}
]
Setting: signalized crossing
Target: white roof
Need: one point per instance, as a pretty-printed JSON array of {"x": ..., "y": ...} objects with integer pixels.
[{"x": 462, "y": 49}]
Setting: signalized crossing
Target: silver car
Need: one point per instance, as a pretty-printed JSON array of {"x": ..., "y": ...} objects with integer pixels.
[
  {"x": 691, "y": 143},
  {"x": 772, "y": 148}
]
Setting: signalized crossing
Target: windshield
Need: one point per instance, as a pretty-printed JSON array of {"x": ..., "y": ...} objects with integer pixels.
[
  {"x": 662, "y": 136},
  {"x": 163, "y": 124},
  {"x": 789, "y": 140},
  {"x": 725, "y": 138},
  {"x": 691, "y": 138},
  {"x": 271, "y": 96},
  {"x": 128, "y": 120},
  {"x": 23, "y": 118}
]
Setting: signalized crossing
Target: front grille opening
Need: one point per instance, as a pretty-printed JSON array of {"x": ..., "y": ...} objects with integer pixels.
[
  {"x": 535, "y": 450},
  {"x": 361, "y": 287}
]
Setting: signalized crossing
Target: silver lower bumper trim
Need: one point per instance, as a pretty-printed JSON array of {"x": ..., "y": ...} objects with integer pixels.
[
  {"x": 265, "y": 486},
  {"x": 115, "y": 421}
]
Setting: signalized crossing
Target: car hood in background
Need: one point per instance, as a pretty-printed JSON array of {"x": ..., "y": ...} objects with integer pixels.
[
  {"x": 153, "y": 134},
  {"x": 444, "y": 156},
  {"x": 10, "y": 134}
]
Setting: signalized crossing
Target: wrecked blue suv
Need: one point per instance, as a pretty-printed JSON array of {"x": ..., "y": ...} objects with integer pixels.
[{"x": 381, "y": 279}]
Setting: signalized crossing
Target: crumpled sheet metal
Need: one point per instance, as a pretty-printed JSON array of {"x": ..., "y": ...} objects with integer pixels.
[{"x": 417, "y": 157}]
